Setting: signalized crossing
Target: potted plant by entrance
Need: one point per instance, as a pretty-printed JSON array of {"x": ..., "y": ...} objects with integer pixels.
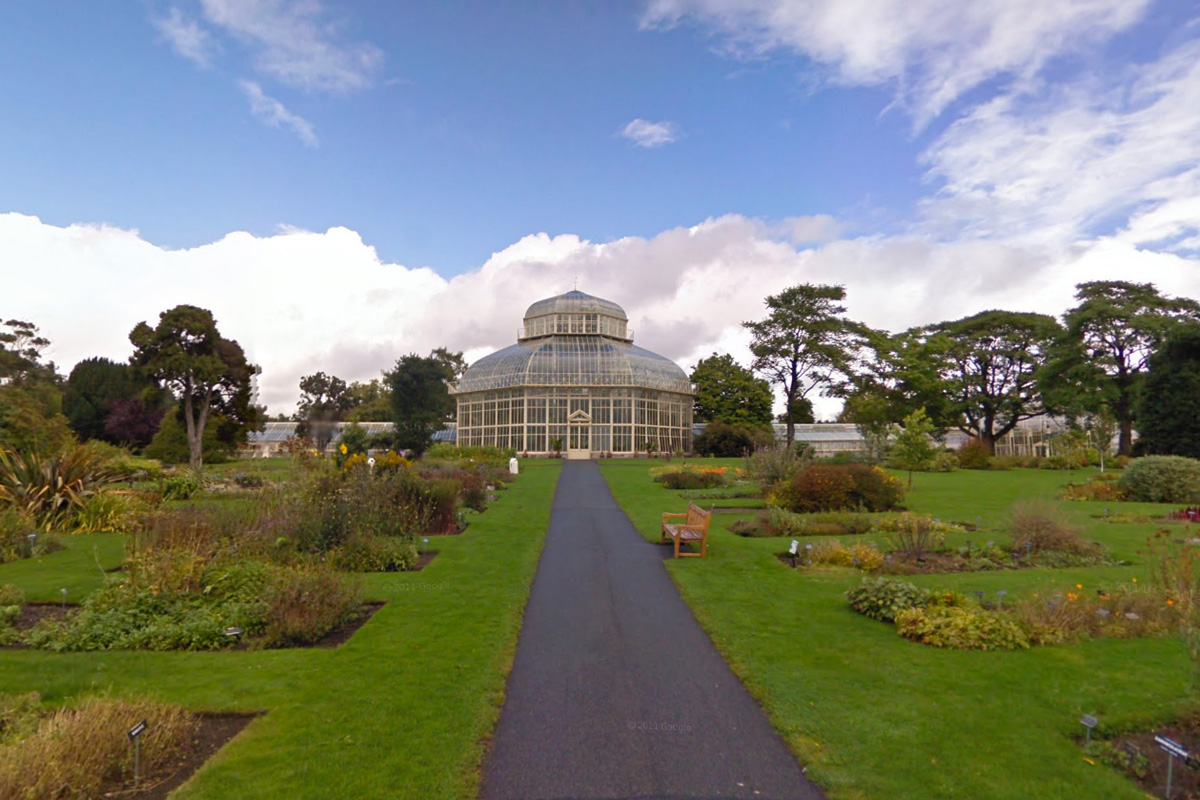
[{"x": 556, "y": 446}]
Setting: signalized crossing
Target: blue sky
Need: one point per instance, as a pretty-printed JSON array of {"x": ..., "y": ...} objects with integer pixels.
[
  {"x": 500, "y": 117},
  {"x": 683, "y": 157}
]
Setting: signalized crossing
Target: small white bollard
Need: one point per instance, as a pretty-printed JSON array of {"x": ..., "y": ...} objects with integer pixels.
[{"x": 512, "y": 465}]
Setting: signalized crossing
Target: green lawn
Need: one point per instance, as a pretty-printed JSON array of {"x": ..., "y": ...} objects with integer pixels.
[
  {"x": 79, "y": 568},
  {"x": 401, "y": 710},
  {"x": 875, "y": 716}
]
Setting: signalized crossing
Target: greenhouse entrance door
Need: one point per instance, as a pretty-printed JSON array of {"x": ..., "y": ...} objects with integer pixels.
[{"x": 578, "y": 435}]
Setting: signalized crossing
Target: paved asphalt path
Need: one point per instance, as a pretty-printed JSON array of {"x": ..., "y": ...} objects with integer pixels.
[{"x": 615, "y": 690}]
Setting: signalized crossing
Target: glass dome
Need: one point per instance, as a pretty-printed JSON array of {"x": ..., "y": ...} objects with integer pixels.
[
  {"x": 575, "y": 302},
  {"x": 575, "y": 383},
  {"x": 575, "y": 312},
  {"x": 574, "y": 361}
]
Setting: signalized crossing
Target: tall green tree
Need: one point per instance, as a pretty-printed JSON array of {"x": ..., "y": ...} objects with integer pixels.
[
  {"x": 324, "y": 400},
  {"x": 1169, "y": 402},
  {"x": 1110, "y": 337},
  {"x": 805, "y": 342},
  {"x": 912, "y": 448},
  {"x": 986, "y": 369},
  {"x": 31, "y": 418},
  {"x": 21, "y": 347},
  {"x": 112, "y": 401},
  {"x": 871, "y": 414},
  {"x": 421, "y": 401},
  {"x": 92, "y": 386},
  {"x": 727, "y": 391},
  {"x": 800, "y": 411},
  {"x": 370, "y": 401},
  {"x": 207, "y": 373}
]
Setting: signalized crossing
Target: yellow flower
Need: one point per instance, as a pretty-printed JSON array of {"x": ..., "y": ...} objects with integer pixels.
[
  {"x": 343, "y": 448},
  {"x": 1135, "y": 580}
]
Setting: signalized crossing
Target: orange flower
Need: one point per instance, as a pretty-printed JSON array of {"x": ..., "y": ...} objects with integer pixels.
[
  {"x": 1170, "y": 602},
  {"x": 1079, "y": 586}
]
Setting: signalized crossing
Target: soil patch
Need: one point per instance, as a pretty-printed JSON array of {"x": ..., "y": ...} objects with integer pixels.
[
  {"x": 932, "y": 563},
  {"x": 458, "y": 531},
  {"x": 33, "y": 613},
  {"x": 423, "y": 560},
  {"x": 1138, "y": 756},
  {"x": 341, "y": 634},
  {"x": 210, "y": 736}
]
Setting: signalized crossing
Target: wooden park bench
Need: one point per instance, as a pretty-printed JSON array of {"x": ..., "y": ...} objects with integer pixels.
[{"x": 694, "y": 528}]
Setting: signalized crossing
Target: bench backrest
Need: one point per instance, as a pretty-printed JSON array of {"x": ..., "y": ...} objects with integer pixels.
[{"x": 697, "y": 516}]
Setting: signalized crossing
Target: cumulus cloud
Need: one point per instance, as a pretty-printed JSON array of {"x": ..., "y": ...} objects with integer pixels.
[
  {"x": 302, "y": 301},
  {"x": 274, "y": 113},
  {"x": 187, "y": 37},
  {"x": 931, "y": 50},
  {"x": 295, "y": 42},
  {"x": 644, "y": 133}
]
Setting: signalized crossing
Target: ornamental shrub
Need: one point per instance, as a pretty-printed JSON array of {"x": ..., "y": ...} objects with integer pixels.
[
  {"x": 838, "y": 487},
  {"x": 1101, "y": 488},
  {"x": 944, "y": 461},
  {"x": 974, "y": 454},
  {"x": 364, "y": 552},
  {"x": 961, "y": 628},
  {"x": 1162, "y": 479},
  {"x": 182, "y": 486},
  {"x": 692, "y": 480},
  {"x": 885, "y": 598},
  {"x": 866, "y": 557},
  {"x": 722, "y": 440}
]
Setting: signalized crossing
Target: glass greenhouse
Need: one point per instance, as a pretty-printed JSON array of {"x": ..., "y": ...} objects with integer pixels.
[{"x": 575, "y": 377}]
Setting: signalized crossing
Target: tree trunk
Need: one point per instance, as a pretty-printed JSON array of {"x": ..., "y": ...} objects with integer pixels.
[
  {"x": 1125, "y": 442},
  {"x": 195, "y": 437},
  {"x": 195, "y": 429}
]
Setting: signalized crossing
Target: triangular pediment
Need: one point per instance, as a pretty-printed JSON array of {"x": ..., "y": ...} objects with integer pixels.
[{"x": 579, "y": 415}]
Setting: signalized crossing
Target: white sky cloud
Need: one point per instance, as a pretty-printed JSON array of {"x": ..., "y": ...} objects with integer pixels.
[
  {"x": 644, "y": 133},
  {"x": 295, "y": 43},
  {"x": 1052, "y": 166},
  {"x": 302, "y": 301},
  {"x": 933, "y": 51},
  {"x": 187, "y": 37},
  {"x": 274, "y": 113}
]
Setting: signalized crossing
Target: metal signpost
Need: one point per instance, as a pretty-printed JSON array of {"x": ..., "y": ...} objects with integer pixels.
[
  {"x": 135, "y": 736},
  {"x": 1089, "y": 722},
  {"x": 1174, "y": 750}
]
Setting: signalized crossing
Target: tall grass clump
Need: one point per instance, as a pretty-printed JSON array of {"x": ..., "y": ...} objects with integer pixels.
[
  {"x": 769, "y": 466},
  {"x": 79, "y": 751},
  {"x": 1038, "y": 526}
]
